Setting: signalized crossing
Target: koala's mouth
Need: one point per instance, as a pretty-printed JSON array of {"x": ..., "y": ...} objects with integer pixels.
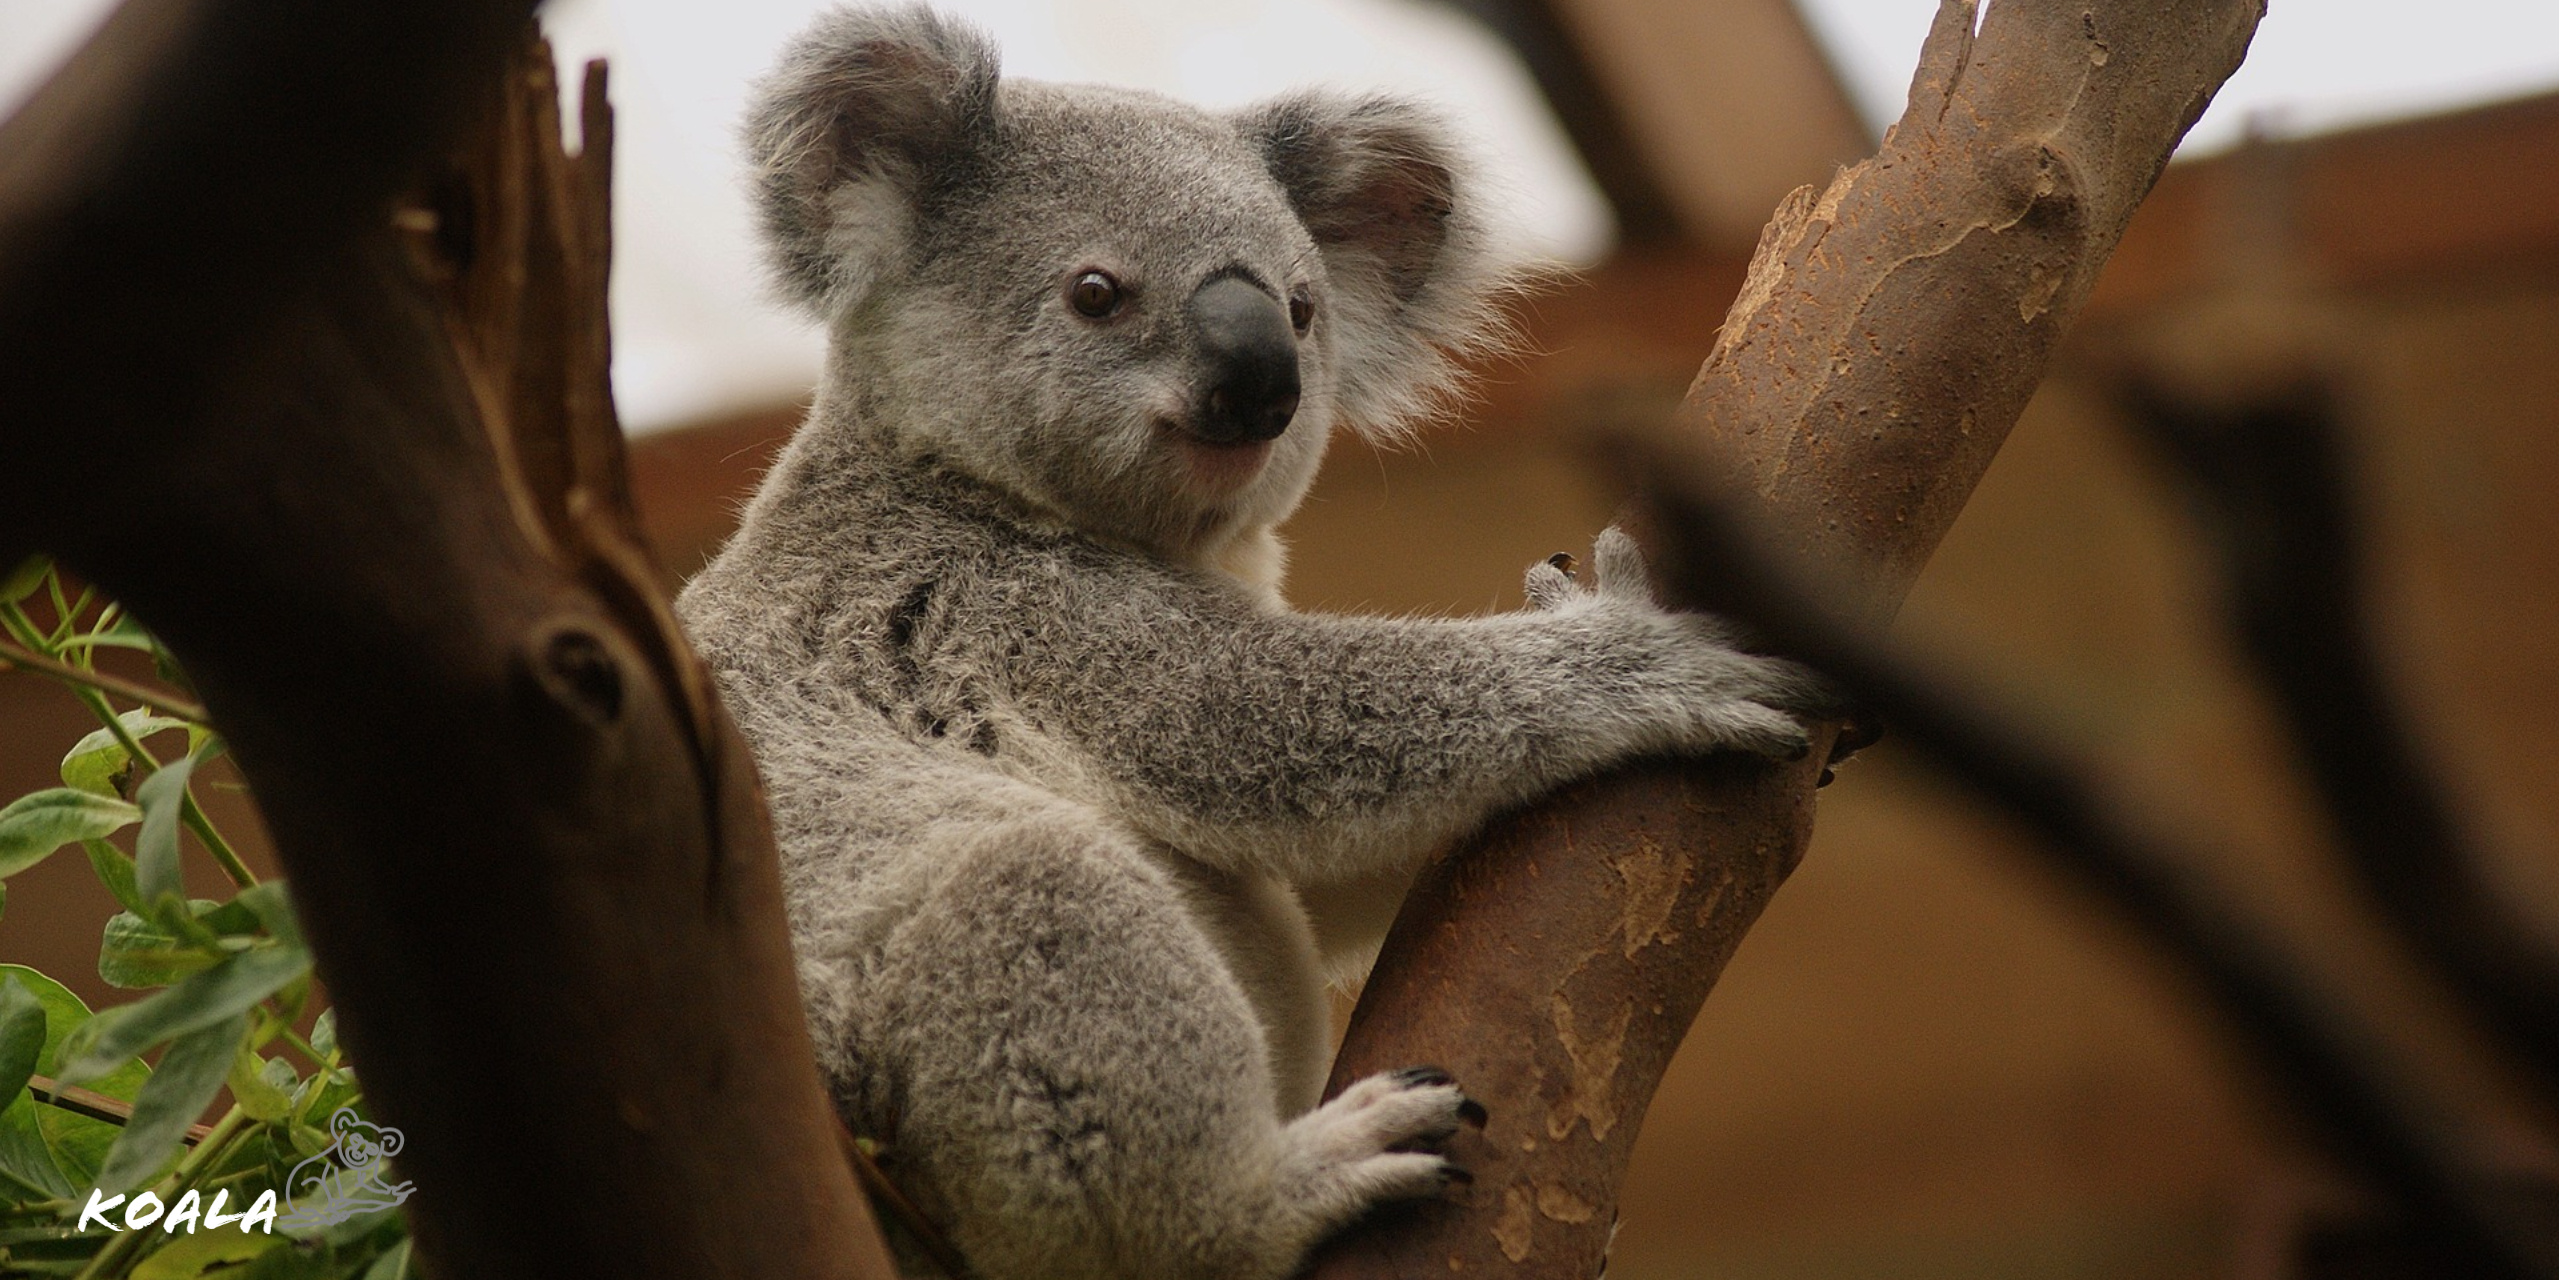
[{"x": 1217, "y": 467}]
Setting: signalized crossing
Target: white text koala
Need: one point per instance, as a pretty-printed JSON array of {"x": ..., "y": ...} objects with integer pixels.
[{"x": 1050, "y": 764}]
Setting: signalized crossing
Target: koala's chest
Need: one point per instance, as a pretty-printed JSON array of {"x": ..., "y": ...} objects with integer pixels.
[
  {"x": 937, "y": 677},
  {"x": 931, "y": 704}
]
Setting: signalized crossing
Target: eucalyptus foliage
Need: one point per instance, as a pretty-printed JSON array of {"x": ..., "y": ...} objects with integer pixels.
[{"x": 106, "y": 1101}]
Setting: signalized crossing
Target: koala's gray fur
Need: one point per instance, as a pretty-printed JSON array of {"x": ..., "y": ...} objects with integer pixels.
[{"x": 1054, "y": 772}]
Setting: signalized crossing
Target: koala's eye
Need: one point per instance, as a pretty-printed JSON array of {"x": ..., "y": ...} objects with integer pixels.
[
  {"x": 1302, "y": 309},
  {"x": 1094, "y": 294}
]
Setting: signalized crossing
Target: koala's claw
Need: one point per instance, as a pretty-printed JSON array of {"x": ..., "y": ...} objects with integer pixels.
[
  {"x": 1617, "y": 573},
  {"x": 1384, "y": 1138},
  {"x": 1549, "y": 585},
  {"x": 1417, "y": 1109}
]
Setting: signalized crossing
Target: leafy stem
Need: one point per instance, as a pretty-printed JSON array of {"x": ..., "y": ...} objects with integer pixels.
[
  {"x": 293, "y": 1040},
  {"x": 91, "y": 688},
  {"x": 78, "y": 677},
  {"x": 214, "y": 1145},
  {"x": 223, "y": 853},
  {"x": 189, "y": 813}
]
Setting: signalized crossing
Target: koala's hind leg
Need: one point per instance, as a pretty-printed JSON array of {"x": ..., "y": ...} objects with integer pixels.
[{"x": 1085, "y": 1086}]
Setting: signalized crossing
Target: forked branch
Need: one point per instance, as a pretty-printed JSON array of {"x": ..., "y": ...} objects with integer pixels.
[{"x": 1889, "y": 333}]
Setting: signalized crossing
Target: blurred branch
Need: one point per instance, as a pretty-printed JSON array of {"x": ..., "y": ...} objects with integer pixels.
[
  {"x": 2269, "y": 471},
  {"x": 1574, "y": 90},
  {"x": 1889, "y": 332},
  {"x": 11, "y": 656},
  {"x": 2309, "y": 1049}
]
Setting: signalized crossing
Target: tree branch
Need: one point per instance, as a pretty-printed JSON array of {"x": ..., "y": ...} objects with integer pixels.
[
  {"x": 2308, "y": 1048},
  {"x": 2270, "y": 469},
  {"x": 1887, "y": 337},
  {"x": 13, "y": 657}
]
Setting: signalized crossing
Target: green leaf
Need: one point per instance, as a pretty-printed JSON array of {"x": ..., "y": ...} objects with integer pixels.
[
  {"x": 21, "y": 1036},
  {"x": 24, "y": 578},
  {"x": 199, "y": 1000},
  {"x": 392, "y": 1265},
  {"x": 232, "y": 919},
  {"x": 319, "y": 1098},
  {"x": 289, "y": 1264},
  {"x": 111, "y": 639},
  {"x": 94, "y": 762},
  {"x": 255, "y": 1093},
  {"x": 63, "y": 1012},
  {"x": 155, "y": 852},
  {"x": 206, "y": 1253},
  {"x": 115, "y": 871},
  {"x": 123, "y": 624},
  {"x": 273, "y": 907},
  {"x": 33, "y": 826},
  {"x": 24, "y": 1159},
  {"x": 79, "y": 1143},
  {"x": 324, "y": 1034},
  {"x": 135, "y": 952},
  {"x": 181, "y": 1087},
  {"x": 281, "y": 1075},
  {"x": 46, "y": 1145}
]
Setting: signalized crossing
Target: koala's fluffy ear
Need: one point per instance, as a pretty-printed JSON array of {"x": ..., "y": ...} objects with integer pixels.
[
  {"x": 1385, "y": 189},
  {"x": 841, "y": 135}
]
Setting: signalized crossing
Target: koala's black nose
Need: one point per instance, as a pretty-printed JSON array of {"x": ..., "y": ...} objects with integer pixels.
[{"x": 1252, "y": 360}]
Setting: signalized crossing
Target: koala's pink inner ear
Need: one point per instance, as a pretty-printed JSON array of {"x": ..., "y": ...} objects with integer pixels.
[
  {"x": 1395, "y": 210},
  {"x": 1375, "y": 180}
]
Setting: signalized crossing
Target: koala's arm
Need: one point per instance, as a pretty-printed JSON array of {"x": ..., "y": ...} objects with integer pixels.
[{"x": 1321, "y": 748}]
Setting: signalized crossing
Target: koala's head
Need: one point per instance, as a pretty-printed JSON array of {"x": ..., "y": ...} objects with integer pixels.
[
  {"x": 1139, "y": 316},
  {"x": 359, "y": 1143}
]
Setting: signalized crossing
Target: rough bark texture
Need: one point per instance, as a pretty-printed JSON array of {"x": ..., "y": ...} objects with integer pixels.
[
  {"x": 368, "y": 486},
  {"x": 1892, "y": 328},
  {"x": 1890, "y": 332}
]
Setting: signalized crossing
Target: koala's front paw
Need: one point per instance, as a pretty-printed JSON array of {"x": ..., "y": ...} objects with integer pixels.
[
  {"x": 1384, "y": 1138},
  {"x": 1727, "y": 698},
  {"x": 1617, "y": 570}
]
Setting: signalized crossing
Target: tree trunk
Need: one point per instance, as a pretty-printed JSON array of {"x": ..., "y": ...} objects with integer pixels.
[{"x": 368, "y": 486}]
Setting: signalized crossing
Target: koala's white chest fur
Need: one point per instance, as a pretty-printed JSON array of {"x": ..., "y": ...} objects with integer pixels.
[
  {"x": 1260, "y": 930},
  {"x": 1258, "y": 561}
]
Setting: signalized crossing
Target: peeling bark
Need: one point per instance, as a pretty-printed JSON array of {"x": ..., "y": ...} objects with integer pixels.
[{"x": 1889, "y": 333}]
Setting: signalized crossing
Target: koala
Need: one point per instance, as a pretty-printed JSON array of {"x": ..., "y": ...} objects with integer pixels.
[{"x": 1074, "y": 812}]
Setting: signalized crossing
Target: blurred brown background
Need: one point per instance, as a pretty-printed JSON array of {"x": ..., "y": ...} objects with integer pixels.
[{"x": 1927, "y": 1060}]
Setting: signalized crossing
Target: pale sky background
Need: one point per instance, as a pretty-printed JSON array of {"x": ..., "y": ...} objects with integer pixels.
[{"x": 694, "y": 336}]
